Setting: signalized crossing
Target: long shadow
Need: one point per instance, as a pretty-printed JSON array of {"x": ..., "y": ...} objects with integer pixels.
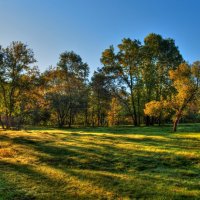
[
  {"x": 107, "y": 158},
  {"x": 111, "y": 158},
  {"x": 12, "y": 191},
  {"x": 143, "y": 130},
  {"x": 121, "y": 186},
  {"x": 165, "y": 143}
]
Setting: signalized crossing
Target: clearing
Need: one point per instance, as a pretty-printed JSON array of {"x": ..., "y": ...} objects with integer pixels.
[{"x": 100, "y": 163}]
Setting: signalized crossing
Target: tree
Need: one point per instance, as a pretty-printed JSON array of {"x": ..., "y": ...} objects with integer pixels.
[
  {"x": 72, "y": 64},
  {"x": 76, "y": 77},
  {"x": 57, "y": 95},
  {"x": 159, "y": 55},
  {"x": 158, "y": 109},
  {"x": 114, "y": 112},
  {"x": 15, "y": 64},
  {"x": 67, "y": 88},
  {"x": 185, "y": 80},
  {"x": 141, "y": 71},
  {"x": 99, "y": 99},
  {"x": 122, "y": 68}
]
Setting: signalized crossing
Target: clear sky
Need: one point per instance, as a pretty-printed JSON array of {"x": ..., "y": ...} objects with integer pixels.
[{"x": 88, "y": 27}]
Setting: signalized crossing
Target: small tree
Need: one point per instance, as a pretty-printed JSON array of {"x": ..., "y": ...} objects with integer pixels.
[{"x": 186, "y": 82}]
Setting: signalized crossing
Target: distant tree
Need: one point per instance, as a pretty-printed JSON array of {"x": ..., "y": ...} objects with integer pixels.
[
  {"x": 99, "y": 99},
  {"x": 76, "y": 77},
  {"x": 56, "y": 94},
  {"x": 37, "y": 110},
  {"x": 67, "y": 88},
  {"x": 72, "y": 64},
  {"x": 114, "y": 112}
]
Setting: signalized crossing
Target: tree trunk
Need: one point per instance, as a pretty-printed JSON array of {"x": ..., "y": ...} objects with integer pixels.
[
  {"x": 60, "y": 124},
  {"x": 2, "y": 124},
  {"x": 8, "y": 121},
  {"x": 134, "y": 113},
  {"x": 139, "y": 110},
  {"x": 70, "y": 120},
  {"x": 133, "y": 102},
  {"x": 147, "y": 120},
  {"x": 178, "y": 116},
  {"x": 175, "y": 124},
  {"x": 86, "y": 117},
  {"x": 152, "y": 121},
  {"x": 159, "y": 121}
]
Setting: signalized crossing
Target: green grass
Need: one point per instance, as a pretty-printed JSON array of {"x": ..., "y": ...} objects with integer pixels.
[{"x": 101, "y": 163}]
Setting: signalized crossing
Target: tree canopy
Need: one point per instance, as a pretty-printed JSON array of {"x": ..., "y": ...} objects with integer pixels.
[{"x": 144, "y": 82}]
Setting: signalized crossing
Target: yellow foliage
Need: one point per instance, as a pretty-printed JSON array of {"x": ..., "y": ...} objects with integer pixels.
[
  {"x": 113, "y": 113},
  {"x": 153, "y": 108}
]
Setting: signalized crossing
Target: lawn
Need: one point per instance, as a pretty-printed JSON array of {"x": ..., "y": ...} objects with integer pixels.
[{"x": 100, "y": 163}]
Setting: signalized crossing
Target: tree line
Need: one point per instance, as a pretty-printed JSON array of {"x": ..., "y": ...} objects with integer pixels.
[{"x": 145, "y": 82}]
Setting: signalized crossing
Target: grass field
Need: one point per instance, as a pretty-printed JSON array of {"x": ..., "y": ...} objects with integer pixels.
[{"x": 101, "y": 163}]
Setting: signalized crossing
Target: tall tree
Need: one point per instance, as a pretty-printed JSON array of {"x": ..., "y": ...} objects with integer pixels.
[
  {"x": 16, "y": 61},
  {"x": 67, "y": 88},
  {"x": 123, "y": 67},
  {"x": 100, "y": 98},
  {"x": 76, "y": 76},
  {"x": 159, "y": 56}
]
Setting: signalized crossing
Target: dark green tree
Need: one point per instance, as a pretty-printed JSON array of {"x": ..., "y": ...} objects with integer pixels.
[{"x": 123, "y": 68}]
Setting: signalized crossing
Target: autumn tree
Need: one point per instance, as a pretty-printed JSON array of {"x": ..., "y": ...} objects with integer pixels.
[
  {"x": 160, "y": 110},
  {"x": 185, "y": 80},
  {"x": 67, "y": 88},
  {"x": 15, "y": 64},
  {"x": 114, "y": 112},
  {"x": 37, "y": 109},
  {"x": 141, "y": 71}
]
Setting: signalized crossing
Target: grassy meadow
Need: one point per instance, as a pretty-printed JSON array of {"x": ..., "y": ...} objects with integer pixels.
[{"x": 100, "y": 163}]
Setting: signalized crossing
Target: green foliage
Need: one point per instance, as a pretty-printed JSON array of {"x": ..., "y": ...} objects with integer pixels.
[
  {"x": 67, "y": 88},
  {"x": 99, "y": 99},
  {"x": 71, "y": 63},
  {"x": 185, "y": 80},
  {"x": 134, "y": 73},
  {"x": 14, "y": 79},
  {"x": 141, "y": 71}
]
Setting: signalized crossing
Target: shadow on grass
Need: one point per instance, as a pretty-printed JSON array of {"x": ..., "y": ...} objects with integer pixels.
[
  {"x": 107, "y": 156},
  {"x": 103, "y": 163},
  {"x": 9, "y": 190}
]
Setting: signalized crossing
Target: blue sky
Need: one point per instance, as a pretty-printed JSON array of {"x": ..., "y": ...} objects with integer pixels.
[{"x": 88, "y": 27}]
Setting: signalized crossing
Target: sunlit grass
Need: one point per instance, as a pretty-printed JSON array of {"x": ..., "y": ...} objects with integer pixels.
[{"x": 100, "y": 163}]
